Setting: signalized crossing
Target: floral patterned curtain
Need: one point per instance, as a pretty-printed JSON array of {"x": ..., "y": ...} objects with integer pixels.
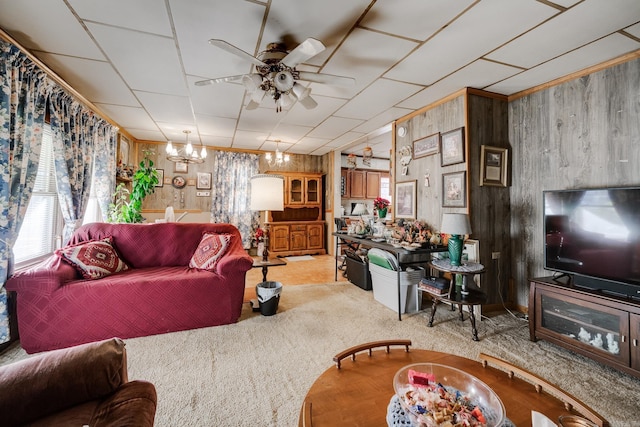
[
  {"x": 73, "y": 127},
  {"x": 231, "y": 192},
  {"x": 105, "y": 165},
  {"x": 23, "y": 89}
]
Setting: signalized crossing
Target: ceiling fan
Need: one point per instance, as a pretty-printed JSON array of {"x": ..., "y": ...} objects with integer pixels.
[{"x": 276, "y": 74}]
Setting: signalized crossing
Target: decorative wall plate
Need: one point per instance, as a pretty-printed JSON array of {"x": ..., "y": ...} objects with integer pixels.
[
  {"x": 405, "y": 155},
  {"x": 178, "y": 181}
]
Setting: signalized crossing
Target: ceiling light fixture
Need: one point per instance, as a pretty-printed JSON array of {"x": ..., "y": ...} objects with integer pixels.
[
  {"x": 367, "y": 155},
  {"x": 186, "y": 154},
  {"x": 278, "y": 158}
]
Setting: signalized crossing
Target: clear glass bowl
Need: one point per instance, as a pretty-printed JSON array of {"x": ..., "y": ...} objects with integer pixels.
[{"x": 477, "y": 392}]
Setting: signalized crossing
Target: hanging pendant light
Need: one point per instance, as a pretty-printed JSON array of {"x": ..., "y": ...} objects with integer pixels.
[{"x": 186, "y": 155}]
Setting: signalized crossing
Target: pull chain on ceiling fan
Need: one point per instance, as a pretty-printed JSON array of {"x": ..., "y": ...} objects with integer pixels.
[{"x": 277, "y": 74}]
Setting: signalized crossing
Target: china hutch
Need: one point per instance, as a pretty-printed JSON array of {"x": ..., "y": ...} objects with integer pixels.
[{"x": 299, "y": 228}]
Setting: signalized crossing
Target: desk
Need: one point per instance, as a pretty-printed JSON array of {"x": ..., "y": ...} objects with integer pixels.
[
  {"x": 358, "y": 394},
  {"x": 403, "y": 256},
  {"x": 271, "y": 262},
  {"x": 462, "y": 296}
]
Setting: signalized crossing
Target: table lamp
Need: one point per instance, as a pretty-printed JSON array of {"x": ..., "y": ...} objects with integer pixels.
[
  {"x": 267, "y": 194},
  {"x": 457, "y": 225}
]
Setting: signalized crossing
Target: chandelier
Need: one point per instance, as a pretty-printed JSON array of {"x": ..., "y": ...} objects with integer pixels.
[
  {"x": 186, "y": 154},
  {"x": 278, "y": 158}
]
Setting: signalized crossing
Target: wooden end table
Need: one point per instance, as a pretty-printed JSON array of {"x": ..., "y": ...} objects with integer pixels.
[
  {"x": 464, "y": 296},
  {"x": 271, "y": 262}
]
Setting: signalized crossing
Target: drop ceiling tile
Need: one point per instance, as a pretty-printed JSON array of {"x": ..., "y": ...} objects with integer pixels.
[
  {"x": 289, "y": 133},
  {"x": 129, "y": 117},
  {"x": 216, "y": 126},
  {"x": 53, "y": 28},
  {"x": 560, "y": 34},
  {"x": 292, "y": 21},
  {"x": 597, "y": 52},
  {"x": 364, "y": 56},
  {"x": 479, "y": 74},
  {"x": 207, "y": 99},
  {"x": 236, "y": 22},
  {"x": 566, "y": 3},
  {"x": 301, "y": 116},
  {"x": 345, "y": 140},
  {"x": 307, "y": 145},
  {"x": 382, "y": 94},
  {"x": 146, "y": 135},
  {"x": 271, "y": 145},
  {"x": 634, "y": 30},
  {"x": 248, "y": 139},
  {"x": 216, "y": 141},
  {"x": 81, "y": 74},
  {"x": 486, "y": 26},
  {"x": 258, "y": 119},
  {"x": 382, "y": 119},
  {"x": 167, "y": 108},
  {"x": 391, "y": 17},
  {"x": 175, "y": 132},
  {"x": 143, "y": 15},
  {"x": 334, "y": 127},
  {"x": 131, "y": 52}
]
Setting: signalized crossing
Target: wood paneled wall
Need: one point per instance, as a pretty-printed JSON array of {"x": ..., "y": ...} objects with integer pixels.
[
  {"x": 186, "y": 198},
  {"x": 584, "y": 133},
  {"x": 484, "y": 118}
]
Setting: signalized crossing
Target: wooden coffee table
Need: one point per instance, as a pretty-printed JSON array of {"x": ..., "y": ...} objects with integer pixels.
[{"x": 359, "y": 393}]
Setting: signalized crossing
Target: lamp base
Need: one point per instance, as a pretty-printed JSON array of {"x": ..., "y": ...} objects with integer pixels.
[{"x": 455, "y": 249}]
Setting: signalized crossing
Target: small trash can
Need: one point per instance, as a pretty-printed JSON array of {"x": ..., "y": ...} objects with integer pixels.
[{"x": 268, "y": 297}]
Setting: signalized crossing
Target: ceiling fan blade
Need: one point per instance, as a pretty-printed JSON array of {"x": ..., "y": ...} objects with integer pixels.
[
  {"x": 326, "y": 78},
  {"x": 305, "y": 50},
  {"x": 236, "y": 51},
  {"x": 302, "y": 95},
  {"x": 237, "y": 78},
  {"x": 308, "y": 102},
  {"x": 255, "y": 100}
]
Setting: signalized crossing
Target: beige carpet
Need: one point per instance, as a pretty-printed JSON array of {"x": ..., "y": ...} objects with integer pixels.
[{"x": 257, "y": 372}]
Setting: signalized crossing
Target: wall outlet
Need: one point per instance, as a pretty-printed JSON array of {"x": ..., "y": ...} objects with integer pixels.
[{"x": 495, "y": 255}]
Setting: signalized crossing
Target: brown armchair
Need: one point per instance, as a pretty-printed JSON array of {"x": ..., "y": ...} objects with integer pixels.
[{"x": 76, "y": 386}]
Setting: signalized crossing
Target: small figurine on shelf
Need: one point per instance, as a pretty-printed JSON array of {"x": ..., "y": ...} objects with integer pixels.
[
  {"x": 597, "y": 341},
  {"x": 583, "y": 335},
  {"x": 612, "y": 344}
]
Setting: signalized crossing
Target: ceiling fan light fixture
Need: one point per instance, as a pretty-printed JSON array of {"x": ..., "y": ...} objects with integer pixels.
[
  {"x": 252, "y": 82},
  {"x": 283, "y": 81}
]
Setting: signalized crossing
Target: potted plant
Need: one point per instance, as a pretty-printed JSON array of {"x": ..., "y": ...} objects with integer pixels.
[
  {"x": 381, "y": 205},
  {"x": 145, "y": 180}
]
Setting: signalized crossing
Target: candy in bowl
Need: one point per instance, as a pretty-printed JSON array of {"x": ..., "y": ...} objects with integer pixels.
[{"x": 439, "y": 395}]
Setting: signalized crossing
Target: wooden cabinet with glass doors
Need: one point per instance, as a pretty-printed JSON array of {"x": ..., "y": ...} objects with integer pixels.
[{"x": 299, "y": 228}]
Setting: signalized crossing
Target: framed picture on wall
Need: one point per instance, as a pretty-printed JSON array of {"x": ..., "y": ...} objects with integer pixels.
[
  {"x": 426, "y": 146},
  {"x": 204, "y": 181},
  {"x": 160, "y": 178},
  {"x": 405, "y": 199},
  {"x": 493, "y": 166},
  {"x": 454, "y": 190},
  {"x": 452, "y": 147},
  {"x": 123, "y": 150},
  {"x": 181, "y": 167}
]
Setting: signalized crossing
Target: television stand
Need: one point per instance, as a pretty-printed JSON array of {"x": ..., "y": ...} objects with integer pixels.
[{"x": 602, "y": 327}]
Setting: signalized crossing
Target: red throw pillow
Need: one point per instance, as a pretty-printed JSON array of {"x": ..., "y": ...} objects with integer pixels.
[
  {"x": 210, "y": 250},
  {"x": 94, "y": 258}
]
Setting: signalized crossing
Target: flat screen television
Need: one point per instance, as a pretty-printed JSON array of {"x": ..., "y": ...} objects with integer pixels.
[{"x": 593, "y": 235}]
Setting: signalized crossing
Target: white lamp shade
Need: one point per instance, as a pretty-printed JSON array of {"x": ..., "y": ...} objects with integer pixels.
[
  {"x": 267, "y": 192},
  {"x": 455, "y": 223}
]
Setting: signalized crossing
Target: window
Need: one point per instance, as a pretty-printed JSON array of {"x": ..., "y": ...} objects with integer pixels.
[{"x": 42, "y": 224}]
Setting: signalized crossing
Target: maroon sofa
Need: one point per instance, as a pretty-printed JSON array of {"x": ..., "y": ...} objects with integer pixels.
[{"x": 58, "y": 308}]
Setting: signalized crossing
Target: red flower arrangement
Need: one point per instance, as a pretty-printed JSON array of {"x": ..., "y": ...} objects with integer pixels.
[
  {"x": 259, "y": 235},
  {"x": 380, "y": 203}
]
